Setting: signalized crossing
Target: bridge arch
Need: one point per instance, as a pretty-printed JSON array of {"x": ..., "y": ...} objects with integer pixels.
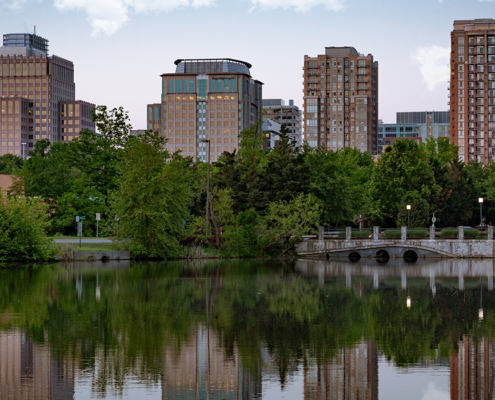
[
  {"x": 382, "y": 255},
  {"x": 354, "y": 256},
  {"x": 410, "y": 256}
]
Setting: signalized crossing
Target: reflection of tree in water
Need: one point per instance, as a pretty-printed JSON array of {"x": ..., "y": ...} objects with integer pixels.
[{"x": 263, "y": 313}]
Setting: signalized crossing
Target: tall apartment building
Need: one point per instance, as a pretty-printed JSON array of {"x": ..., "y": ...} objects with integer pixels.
[
  {"x": 417, "y": 126},
  {"x": 472, "y": 89},
  {"x": 290, "y": 116},
  {"x": 33, "y": 89},
  {"x": 341, "y": 100},
  {"x": 212, "y": 99}
]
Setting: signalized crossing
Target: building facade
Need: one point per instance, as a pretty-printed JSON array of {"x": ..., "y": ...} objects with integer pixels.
[
  {"x": 271, "y": 130},
  {"x": 417, "y": 126},
  {"x": 290, "y": 116},
  {"x": 472, "y": 89},
  {"x": 341, "y": 100},
  {"x": 206, "y": 99},
  {"x": 33, "y": 87}
]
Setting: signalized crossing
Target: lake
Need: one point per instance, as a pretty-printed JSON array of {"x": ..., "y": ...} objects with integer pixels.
[{"x": 248, "y": 329}]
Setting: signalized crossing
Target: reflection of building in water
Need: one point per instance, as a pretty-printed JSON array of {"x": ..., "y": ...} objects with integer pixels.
[
  {"x": 352, "y": 374},
  {"x": 28, "y": 371},
  {"x": 201, "y": 370},
  {"x": 472, "y": 372}
]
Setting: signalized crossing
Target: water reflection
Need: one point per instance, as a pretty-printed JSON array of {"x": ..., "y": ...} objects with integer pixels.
[{"x": 233, "y": 330}]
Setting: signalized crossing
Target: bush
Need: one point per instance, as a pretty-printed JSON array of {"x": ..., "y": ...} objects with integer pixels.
[
  {"x": 392, "y": 233},
  {"x": 417, "y": 233},
  {"x": 449, "y": 233},
  {"x": 471, "y": 233},
  {"x": 23, "y": 224}
]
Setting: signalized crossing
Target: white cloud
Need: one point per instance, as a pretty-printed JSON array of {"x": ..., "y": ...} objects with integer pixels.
[
  {"x": 434, "y": 65},
  {"x": 432, "y": 393},
  {"x": 298, "y": 5},
  {"x": 11, "y": 5},
  {"x": 108, "y": 16}
]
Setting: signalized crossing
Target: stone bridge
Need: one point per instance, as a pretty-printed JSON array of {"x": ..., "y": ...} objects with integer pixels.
[{"x": 390, "y": 248}]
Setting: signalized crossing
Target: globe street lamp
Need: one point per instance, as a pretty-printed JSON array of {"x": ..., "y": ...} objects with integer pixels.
[
  {"x": 408, "y": 207},
  {"x": 480, "y": 200}
]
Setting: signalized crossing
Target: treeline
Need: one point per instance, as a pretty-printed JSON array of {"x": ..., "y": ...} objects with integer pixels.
[{"x": 259, "y": 202}]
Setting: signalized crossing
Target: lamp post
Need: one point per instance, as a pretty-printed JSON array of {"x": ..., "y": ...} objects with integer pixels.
[
  {"x": 480, "y": 200},
  {"x": 408, "y": 207},
  {"x": 208, "y": 184},
  {"x": 23, "y": 154}
]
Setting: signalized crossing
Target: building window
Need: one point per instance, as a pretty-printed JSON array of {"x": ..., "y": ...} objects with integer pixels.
[{"x": 171, "y": 86}]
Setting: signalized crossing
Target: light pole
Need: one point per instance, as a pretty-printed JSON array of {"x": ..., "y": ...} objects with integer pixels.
[
  {"x": 480, "y": 200},
  {"x": 408, "y": 207},
  {"x": 23, "y": 153},
  {"x": 208, "y": 184}
]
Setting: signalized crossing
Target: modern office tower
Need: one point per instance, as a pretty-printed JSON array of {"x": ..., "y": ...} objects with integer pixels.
[
  {"x": 206, "y": 99},
  {"x": 341, "y": 100},
  {"x": 75, "y": 116},
  {"x": 472, "y": 89},
  {"x": 31, "y": 79},
  {"x": 290, "y": 116},
  {"x": 271, "y": 130},
  {"x": 417, "y": 126}
]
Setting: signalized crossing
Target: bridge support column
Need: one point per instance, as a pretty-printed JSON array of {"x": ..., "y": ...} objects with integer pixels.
[
  {"x": 432, "y": 233},
  {"x": 490, "y": 232},
  {"x": 348, "y": 233},
  {"x": 376, "y": 233},
  {"x": 460, "y": 236},
  {"x": 403, "y": 233},
  {"x": 321, "y": 233}
]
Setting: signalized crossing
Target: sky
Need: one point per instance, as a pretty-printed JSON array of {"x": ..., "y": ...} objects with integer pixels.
[{"x": 120, "y": 47}]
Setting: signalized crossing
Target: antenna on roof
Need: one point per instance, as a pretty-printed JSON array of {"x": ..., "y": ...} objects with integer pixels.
[{"x": 35, "y": 29}]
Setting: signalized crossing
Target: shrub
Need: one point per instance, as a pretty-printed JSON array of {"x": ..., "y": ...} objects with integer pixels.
[
  {"x": 449, "y": 233},
  {"x": 392, "y": 233},
  {"x": 471, "y": 233},
  {"x": 417, "y": 233},
  {"x": 23, "y": 224}
]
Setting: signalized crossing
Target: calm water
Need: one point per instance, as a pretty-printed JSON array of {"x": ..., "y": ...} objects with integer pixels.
[{"x": 248, "y": 330}]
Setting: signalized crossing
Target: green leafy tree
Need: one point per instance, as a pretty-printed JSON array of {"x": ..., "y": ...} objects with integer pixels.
[
  {"x": 23, "y": 223},
  {"x": 403, "y": 175},
  {"x": 10, "y": 164},
  {"x": 288, "y": 221},
  {"x": 153, "y": 197}
]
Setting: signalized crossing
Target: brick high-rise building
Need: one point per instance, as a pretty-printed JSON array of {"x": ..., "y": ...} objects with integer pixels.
[
  {"x": 33, "y": 87},
  {"x": 472, "y": 89},
  {"x": 341, "y": 100},
  {"x": 210, "y": 99}
]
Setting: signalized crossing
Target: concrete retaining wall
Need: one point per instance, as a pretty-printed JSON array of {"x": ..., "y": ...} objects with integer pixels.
[
  {"x": 396, "y": 248},
  {"x": 101, "y": 255}
]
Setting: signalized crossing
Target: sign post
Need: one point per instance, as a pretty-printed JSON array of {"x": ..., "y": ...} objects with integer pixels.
[
  {"x": 79, "y": 232},
  {"x": 360, "y": 221},
  {"x": 97, "y": 219},
  {"x": 433, "y": 220}
]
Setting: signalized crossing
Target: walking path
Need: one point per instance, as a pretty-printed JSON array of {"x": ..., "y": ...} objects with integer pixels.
[{"x": 83, "y": 240}]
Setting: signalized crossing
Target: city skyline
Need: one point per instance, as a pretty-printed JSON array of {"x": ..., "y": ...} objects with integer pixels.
[{"x": 415, "y": 48}]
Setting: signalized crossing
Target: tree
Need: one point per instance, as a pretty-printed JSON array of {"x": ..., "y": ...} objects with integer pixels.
[
  {"x": 403, "y": 175},
  {"x": 339, "y": 179},
  {"x": 153, "y": 197},
  {"x": 288, "y": 221},
  {"x": 10, "y": 164},
  {"x": 23, "y": 223}
]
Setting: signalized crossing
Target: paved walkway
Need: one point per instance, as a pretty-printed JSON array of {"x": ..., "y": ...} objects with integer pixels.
[{"x": 83, "y": 240}]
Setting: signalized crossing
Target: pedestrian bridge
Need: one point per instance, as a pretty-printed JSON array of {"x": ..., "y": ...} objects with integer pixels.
[{"x": 355, "y": 249}]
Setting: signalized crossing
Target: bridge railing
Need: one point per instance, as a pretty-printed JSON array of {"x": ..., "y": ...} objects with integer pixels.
[{"x": 431, "y": 233}]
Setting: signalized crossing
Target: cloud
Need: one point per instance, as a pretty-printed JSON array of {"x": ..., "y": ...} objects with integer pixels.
[
  {"x": 434, "y": 65},
  {"x": 432, "y": 393},
  {"x": 108, "y": 16},
  {"x": 11, "y": 5},
  {"x": 298, "y": 5}
]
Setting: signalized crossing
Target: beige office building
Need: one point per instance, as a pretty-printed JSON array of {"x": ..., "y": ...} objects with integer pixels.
[
  {"x": 341, "y": 100},
  {"x": 472, "y": 89},
  {"x": 33, "y": 86},
  {"x": 206, "y": 99}
]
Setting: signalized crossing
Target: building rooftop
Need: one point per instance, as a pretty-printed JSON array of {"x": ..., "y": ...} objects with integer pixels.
[
  {"x": 211, "y": 65},
  {"x": 28, "y": 40}
]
